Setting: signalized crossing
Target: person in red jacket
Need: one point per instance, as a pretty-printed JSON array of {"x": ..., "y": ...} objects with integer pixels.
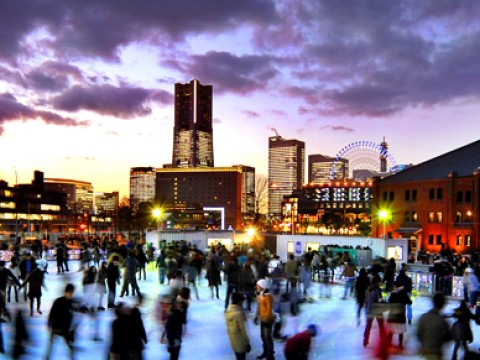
[{"x": 297, "y": 347}]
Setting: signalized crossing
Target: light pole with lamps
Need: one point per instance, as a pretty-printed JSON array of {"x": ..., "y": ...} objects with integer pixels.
[
  {"x": 157, "y": 214},
  {"x": 383, "y": 215}
]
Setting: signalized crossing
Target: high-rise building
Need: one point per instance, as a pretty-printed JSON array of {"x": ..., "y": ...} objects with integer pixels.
[
  {"x": 193, "y": 133},
  {"x": 322, "y": 169},
  {"x": 286, "y": 170},
  {"x": 106, "y": 208},
  {"x": 142, "y": 186},
  {"x": 226, "y": 194},
  {"x": 79, "y": 193}
]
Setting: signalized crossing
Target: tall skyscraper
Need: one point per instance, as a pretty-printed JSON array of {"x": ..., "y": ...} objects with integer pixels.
[
  {"x": 320, "y": 168},
  {"x": 142, "y": 186},
  {"x": 286, "y": 170},
  {"x": 193, "y": 133}
]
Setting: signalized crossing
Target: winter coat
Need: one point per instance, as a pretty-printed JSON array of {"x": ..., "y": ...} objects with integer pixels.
[
  {"x": 265, "y": 307},
  {"x": 236, "y": 330},
  {"x": 398, "y": 301}
]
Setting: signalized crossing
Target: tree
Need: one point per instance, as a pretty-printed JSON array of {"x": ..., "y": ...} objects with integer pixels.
[
  {"x": 261, "y": 194},
  {"x": 125, "y": 215}
]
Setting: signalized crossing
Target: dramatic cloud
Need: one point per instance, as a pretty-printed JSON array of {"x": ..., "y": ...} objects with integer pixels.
[
  {"x": 122, "y": 102},
  {"x": 230, "y": 73},
  {"x": 12, "y": 110},
  {"x": 100, "y": 28},
  {"x": 53, "y": 76}
]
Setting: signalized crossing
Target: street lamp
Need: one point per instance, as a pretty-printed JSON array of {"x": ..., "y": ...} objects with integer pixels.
[
  {"x": 157, "y": 214},
  {"x": 383, "y": 215}
]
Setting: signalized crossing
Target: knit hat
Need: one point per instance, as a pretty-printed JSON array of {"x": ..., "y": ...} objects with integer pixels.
[
  {"x": 313, "y": 329},
  {"x": 263, "y": 284}
]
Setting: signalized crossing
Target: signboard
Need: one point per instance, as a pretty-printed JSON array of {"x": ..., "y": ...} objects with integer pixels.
[{"x": 298, "y": 247}]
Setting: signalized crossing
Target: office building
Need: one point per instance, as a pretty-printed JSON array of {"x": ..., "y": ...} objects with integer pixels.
[
  {"x": 79, "y": 193},
  {"x": 323, "y": 168},
  {"x": 31, "y": 211},
  {"x": 104, "y": 218},
  {"x": 286, "y": 170},
  {"x": 193, "y": 133},
  {"x": 207, "y": 198},
  {"x": 142, "y": 186},
  {"x": 436, "y": 204}
]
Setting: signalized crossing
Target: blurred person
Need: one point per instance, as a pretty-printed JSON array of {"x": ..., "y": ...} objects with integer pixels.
[
  {"x": 60, "y": 320},
  {"x": 36, "y": 281},
  {"x": 120, "y": 334},
  {"x": 213, "y": 275},
  {"x": 433, "y": 330},
  {"x": 305, "y": 274},
  {"x": 173, "y": 330},
  {"x": 192, "y": 278},
  {"x": 373, "y": 297},
  {"x": 176, "y": 283},
  {"x": 397, "y": 319},
  {"x": 236, "y": 328},
  {"x": 298, "y": 346},
  {"x": 129, "y": 276},
  {"x": 42, "y": 263},
  {"x": 324, "y": 277},
  {"x": 137, "y": 334},
  {"x": 291, "y": 269},
  {"x": 461, "y": 331},
  {"x": 96, "y": 256},
  {"x": 20, "y": 336},
  {"x": 162, "y": 307},
  {"x": 142, "y": 261},
  {"x": 232, "y": 275},
  {"x": 113, "y": 279},
  {"x": 100, "y": 288},
  {"x": 472, "y": 284},
  {"x": 349, "y": 276},
  {"x": 362, "y": 282},
  {"x": 247, "y": 284},
  {"x": 389, "y": 275},
  {"x": 406, "y": 283},
  {"x": 161, "y": 266},
  {"x": 183, "y": 300},
  {"x": 267, "y": 319},
  {"x": 65, "y": 257},
  {"x": 26, "y": 265},
  {"x": 60, "y": 255},
  {"x": 5, "y": 276},
  {"x": 13, "y": 282},
  {"x": 171, "y": 264}
]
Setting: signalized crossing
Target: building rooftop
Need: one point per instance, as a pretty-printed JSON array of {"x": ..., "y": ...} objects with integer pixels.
[{"x": 463, "y": 161}]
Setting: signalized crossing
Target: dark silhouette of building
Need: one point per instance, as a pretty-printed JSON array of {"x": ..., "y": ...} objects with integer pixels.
[{"x": 193, "y": 133}]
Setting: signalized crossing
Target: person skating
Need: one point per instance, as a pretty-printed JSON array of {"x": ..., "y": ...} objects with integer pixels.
[
  {"x": 267, "y": 319},
  {"x": 298, "y": 346},
  {"x": 113, "y": 279},
  {"x": 373, "y": 310},
  {"x": 397, "y": 319},
  {"x": 236, "y": 327},
  {"x": 60, "y": 320},
  {"x": 36, "y": 281}
]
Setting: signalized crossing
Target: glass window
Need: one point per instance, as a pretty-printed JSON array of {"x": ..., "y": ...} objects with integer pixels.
[
  {"x": 385, "y": 196},
  {"x": 459, "y": 216},
  {"x": 414, "y": 195},
  {"x": 439, "y": 194},
  {"x": 431, "y": 217},
  {"x": 392, "y": 195},
  {"x": 460, "y": 196},
  {"x": 407, "y": 195},
  {"x": 430, "y": 239},
  {"x": 414, "y": 216},
  {"x": 407, "y": 217},
  {"x": 439, "y": 216},
  {"x": 431, "y": 194},
  {"x": 459, "y": 240},
  {"x": 468, "y": 239},
  {"x": 468, "y": 196},
  {"x": 439, "y": 239}
]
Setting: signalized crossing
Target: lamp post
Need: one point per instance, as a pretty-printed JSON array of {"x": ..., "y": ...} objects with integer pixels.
[
  {"x": 383, "y": 215},
  {"x": 157, "y": 214}
]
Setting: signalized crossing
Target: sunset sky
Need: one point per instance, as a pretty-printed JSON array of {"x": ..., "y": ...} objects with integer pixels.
[{"x": 86, "y": 87}]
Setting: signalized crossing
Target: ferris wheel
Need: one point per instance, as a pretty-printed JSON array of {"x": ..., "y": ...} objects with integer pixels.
[{"x": 365, "y": 155}]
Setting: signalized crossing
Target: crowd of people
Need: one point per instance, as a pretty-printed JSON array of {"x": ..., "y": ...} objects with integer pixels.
[{"x": 258, "y": 285}]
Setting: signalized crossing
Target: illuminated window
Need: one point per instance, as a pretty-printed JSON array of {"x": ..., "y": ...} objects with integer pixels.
[
  {"x": 468, "y": 239},
  {"x": 7, "y": 205},
  {"x": 49, "y": 207},
  {"x": 459, "y": 240},
  {"x": 459, "y": 216},
  {"x": 414, "y": 216}
]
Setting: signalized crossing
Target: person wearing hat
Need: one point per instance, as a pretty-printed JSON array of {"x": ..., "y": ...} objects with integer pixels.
[
  {"x": 236, "y": 329},
  {"x": 267, "y": 319},
  {"x": 298, "y": 347}
]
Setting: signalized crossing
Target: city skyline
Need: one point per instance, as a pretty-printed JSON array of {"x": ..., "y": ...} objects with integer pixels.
[{"x": 81, "y": 102}]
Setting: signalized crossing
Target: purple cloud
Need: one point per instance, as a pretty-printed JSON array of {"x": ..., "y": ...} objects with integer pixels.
[
  {"x": 251, "y": 114},
  {"x": 53, "y": 76},
  {"x": 99, "y": 29},
  {"x": 123, "y": 102},
  {"x": 12, "y": 110},
  {"x": 338, "y": 128},
  {"x": 230, "y": 73}
]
